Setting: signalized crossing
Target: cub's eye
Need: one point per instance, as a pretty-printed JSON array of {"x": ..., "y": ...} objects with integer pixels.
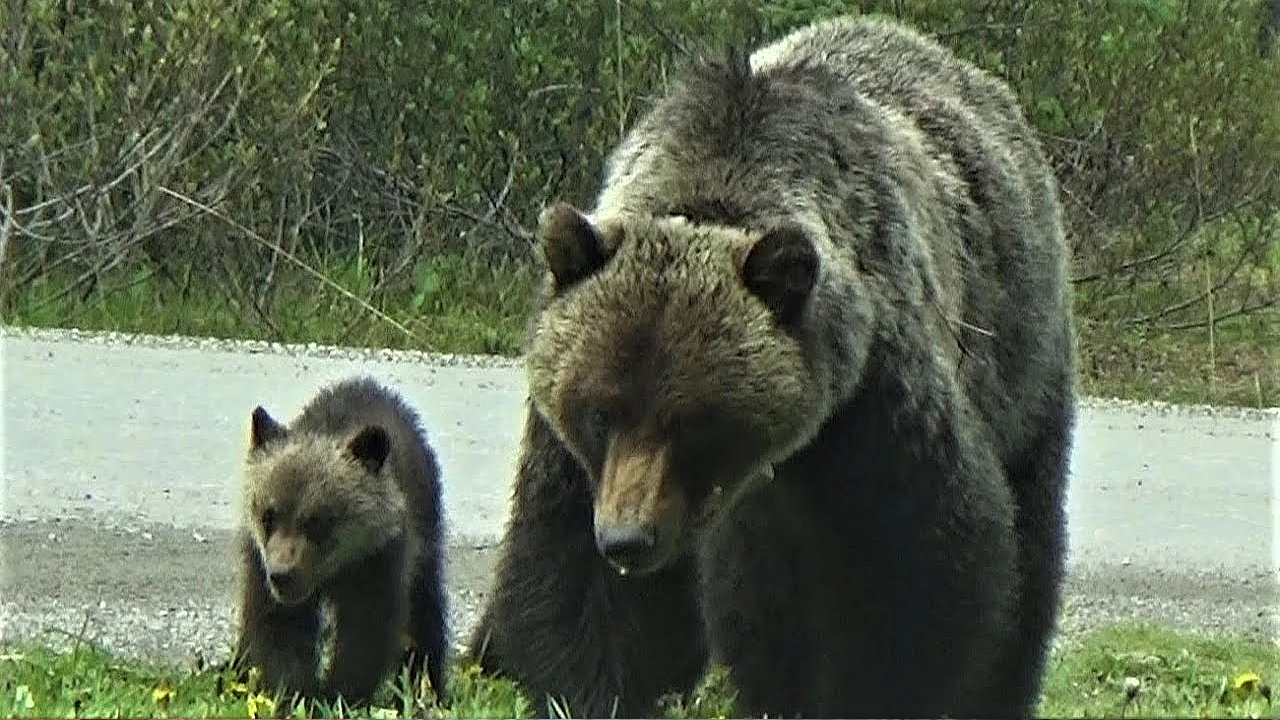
[
  {"x": 317, "y": 529},
  {"x": 268, "y": 520}
]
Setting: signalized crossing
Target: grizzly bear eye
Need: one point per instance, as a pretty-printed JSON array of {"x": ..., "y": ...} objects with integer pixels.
[
  {"x": 594, "y": 428},
  {"x": 587, "y": 429},
  {"x": 268, "y": 520},
  {"x": 597, "y": 422}
]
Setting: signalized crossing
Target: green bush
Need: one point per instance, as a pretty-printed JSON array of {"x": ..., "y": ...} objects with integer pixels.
[
  {"x": 106, "y": 104},
  {"x": 228, "y": 141}
]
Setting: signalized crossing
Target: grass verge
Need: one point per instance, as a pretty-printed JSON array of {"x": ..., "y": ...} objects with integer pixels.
[
  {"x": 455, "y": 304},
  {"x": 1117, "y": 671},
  {"x": 448, "y": 304}
]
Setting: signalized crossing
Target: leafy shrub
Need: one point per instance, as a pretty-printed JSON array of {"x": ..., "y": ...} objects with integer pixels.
[{"x": 164, "y": 133}]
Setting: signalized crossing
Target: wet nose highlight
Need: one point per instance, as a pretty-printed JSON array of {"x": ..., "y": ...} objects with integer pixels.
[
  {"x": 626, "y": 546},
  {"x": 282, "y": 580}
]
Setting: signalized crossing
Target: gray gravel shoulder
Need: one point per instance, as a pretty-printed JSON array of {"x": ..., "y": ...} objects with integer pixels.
[
  {"x": 317, "y": 351},
  {"x": 152, "y": 591},
  {"x": 163, "y": 594}
]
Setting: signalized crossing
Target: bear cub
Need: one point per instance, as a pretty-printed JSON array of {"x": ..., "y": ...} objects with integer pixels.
[{"x": 341, "y": 530}]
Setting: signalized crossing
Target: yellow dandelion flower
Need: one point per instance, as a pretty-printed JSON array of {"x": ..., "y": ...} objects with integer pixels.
[
  {"x": 255, "y": 677},
  {"x": 162, "y": 695},
  {"x": 246, "y": 687},
  {"x": 260, "y": 705},
  {"x": 1247, "y": 682}
]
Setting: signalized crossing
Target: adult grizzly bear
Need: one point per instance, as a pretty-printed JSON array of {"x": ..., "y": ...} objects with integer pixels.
[{"x": 801, "y": 398}]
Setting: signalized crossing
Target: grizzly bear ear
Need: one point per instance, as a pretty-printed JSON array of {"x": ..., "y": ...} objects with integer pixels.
[
  {"x": 781, "y": 269},
  {"x": 263, "y": 429},
  {"x": 370, "y": 446},
  {"x": 571, "y": 246}
]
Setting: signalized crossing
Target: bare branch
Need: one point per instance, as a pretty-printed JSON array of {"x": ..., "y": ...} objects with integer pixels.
[{"x": 293, "y": 259}]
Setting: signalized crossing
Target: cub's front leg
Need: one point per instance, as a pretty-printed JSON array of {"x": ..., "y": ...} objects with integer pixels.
[{"x": 279, "y": 640}]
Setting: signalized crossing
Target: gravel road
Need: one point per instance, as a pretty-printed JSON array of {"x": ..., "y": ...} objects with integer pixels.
[{"x": 120, "y": 456}]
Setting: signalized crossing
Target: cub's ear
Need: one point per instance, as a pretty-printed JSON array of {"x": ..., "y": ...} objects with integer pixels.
[
  {"x": 781, "y": 269},
  {"x": 571, "y": 246},
  {"x": 370, "y": 446},
  {"x": 263, "y": 429}
]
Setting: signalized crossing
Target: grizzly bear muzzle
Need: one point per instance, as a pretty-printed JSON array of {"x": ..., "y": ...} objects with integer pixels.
[
  {"x": 640, "y": 507},
  {"x": 284, "y": 559}
]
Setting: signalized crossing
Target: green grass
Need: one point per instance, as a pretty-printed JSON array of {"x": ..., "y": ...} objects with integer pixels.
[
  {"x": 448, "y": 304},
  {"x": 1238, "y": 368},
  {"x": 1175, "y": 675},
  {"x": 1119, "y": 671},
  {"x": 455, "y": 304}
]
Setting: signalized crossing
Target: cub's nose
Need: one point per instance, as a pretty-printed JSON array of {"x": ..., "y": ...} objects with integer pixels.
[
  {"x": 626, "y": 547},
  {"x": 282, "y": 580}
]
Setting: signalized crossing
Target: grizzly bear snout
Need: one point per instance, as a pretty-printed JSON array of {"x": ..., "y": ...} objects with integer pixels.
[{"x": 640, "y": 507}]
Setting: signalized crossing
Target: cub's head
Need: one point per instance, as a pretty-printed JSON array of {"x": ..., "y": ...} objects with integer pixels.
[
  {"x": 316, "y": 503},
  {"x": 671, "y": 360}
]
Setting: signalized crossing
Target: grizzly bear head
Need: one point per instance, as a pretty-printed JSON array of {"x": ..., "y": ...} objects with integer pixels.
[
  {"x": 314, "y": 504},
  {"x": 671, "y": 360}
]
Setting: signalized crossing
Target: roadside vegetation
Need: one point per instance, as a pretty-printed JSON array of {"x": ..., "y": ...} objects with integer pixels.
[
  {"x": 299, "y": 171},
  {"x": 1113, "y": 672}
]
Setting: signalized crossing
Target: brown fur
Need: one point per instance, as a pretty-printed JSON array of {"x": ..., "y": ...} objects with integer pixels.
[
  {"x": 340, "y": 507},
  {"x": 806, "y": 370},
  {"x": 633, "y": 319}
]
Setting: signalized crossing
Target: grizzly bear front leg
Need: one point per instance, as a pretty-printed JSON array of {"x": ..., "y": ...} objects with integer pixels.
[
  {"x": 877, "y": 575},
  {"x": 566, "y": 626}
]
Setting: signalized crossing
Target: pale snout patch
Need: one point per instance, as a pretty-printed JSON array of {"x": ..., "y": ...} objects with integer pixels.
[{"x": 639, "y": 497}]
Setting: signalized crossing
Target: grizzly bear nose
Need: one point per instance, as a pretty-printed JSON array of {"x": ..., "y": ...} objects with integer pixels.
[
  {"x": 626, "y": 546},
  {"x": 282, "y": 580}
]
